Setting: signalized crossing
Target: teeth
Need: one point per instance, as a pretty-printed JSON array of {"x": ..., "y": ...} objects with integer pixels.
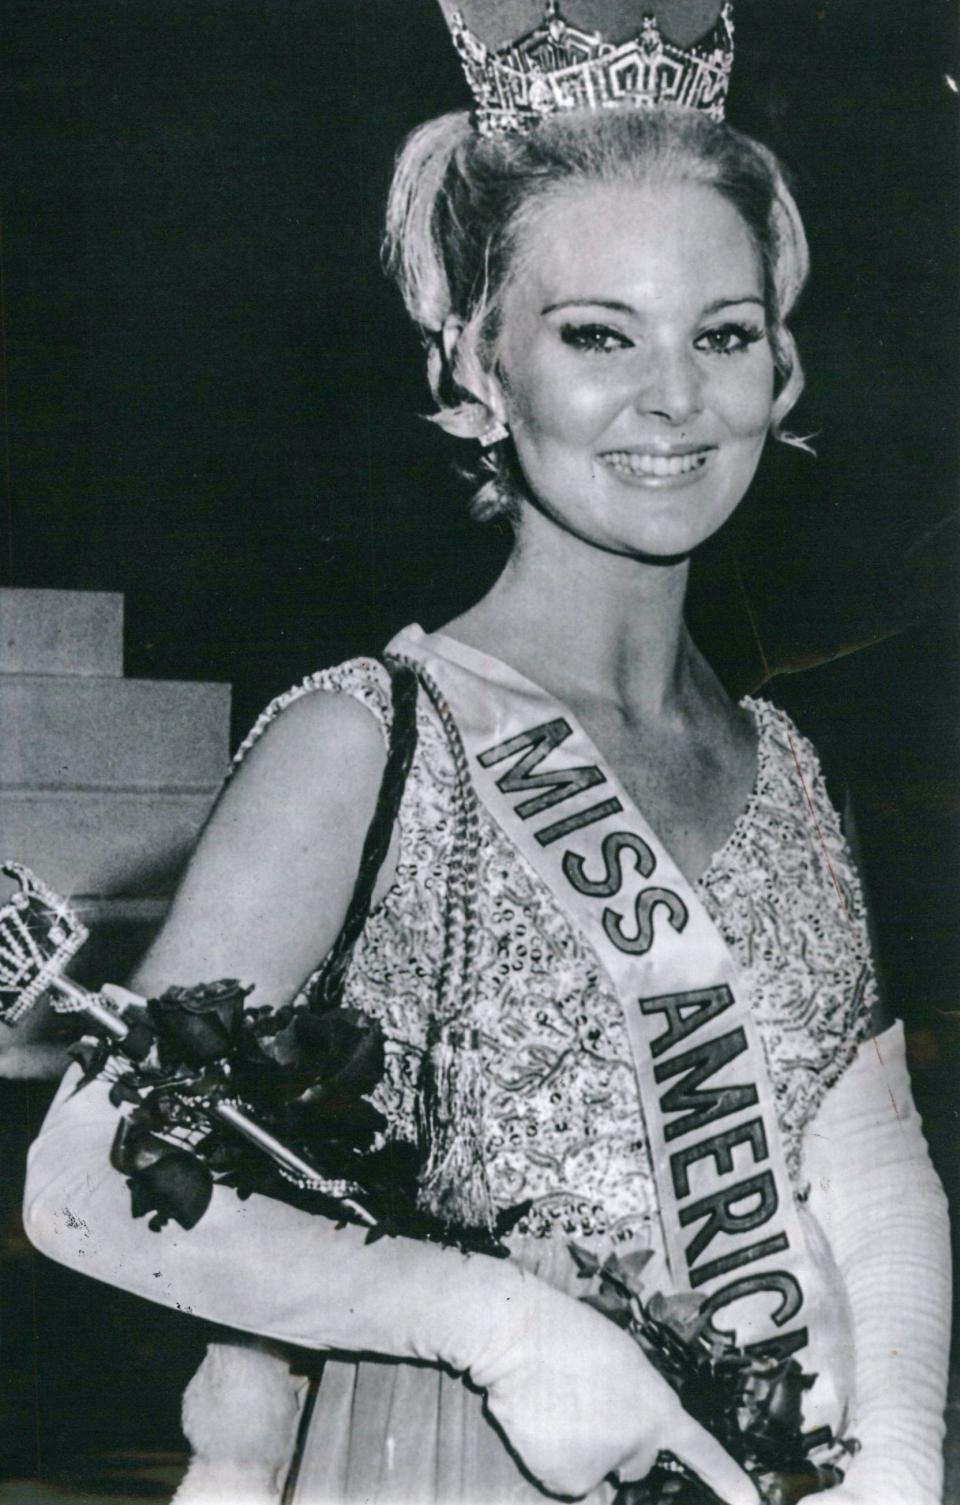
[{"x": 655, "y": 465}]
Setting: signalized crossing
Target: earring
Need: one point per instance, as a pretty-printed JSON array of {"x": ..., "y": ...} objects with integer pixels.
[{"x": 493, "y": 433}]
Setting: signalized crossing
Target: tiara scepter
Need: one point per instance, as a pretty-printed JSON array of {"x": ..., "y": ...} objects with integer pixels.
[
  {"x": 39, "y": 935},
  {"x": 259, "y": 1099}
]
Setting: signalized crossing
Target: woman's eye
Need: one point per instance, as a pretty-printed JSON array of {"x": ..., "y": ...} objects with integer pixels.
[
  {"x": 597, "y": 339},
  {"x": 728, "y": 339}
]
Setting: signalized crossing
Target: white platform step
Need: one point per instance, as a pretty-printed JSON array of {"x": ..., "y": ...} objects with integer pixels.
[
  {"x": 111, "y": 733},
  {"x": 60, "y": 632}
]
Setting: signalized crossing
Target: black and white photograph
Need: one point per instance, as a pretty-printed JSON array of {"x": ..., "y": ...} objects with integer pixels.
[{"x": 479, "y": 752}]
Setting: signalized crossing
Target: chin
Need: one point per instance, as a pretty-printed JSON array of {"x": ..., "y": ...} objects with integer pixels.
[
  {"x": 671, "y": 538},
  {"x": 659, "y": 524},
  {"x": 672, "y": 518}
]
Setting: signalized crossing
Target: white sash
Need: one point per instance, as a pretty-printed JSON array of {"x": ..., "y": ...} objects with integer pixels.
[{"x": 730, "y": 1223}]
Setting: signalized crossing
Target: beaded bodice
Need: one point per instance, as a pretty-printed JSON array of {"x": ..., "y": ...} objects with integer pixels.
[{"x": 563, "y": 1120}]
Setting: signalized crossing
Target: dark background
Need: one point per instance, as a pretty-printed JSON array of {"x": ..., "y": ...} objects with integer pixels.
[{"x": 210, "y": 404}]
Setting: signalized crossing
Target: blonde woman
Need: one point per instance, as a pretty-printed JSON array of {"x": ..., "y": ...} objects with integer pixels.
[{"x": 668, "y": 1039}]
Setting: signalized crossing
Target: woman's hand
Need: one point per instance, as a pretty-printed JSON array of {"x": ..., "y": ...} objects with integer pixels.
[{"x": 579, "y": 1401}]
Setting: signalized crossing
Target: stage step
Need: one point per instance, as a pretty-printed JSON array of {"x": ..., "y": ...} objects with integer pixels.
[
  {"x": 111, "y": 733},
  {"x": 61, "y": 632}
]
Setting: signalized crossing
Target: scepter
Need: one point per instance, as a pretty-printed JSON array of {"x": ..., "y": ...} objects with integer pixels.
[{"x": 39, "y": 935}]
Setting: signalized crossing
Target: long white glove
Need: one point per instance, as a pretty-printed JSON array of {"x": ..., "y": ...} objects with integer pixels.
[
  {"x": 875, "y": 1192},
  {"x": 574, "y": 1395}
]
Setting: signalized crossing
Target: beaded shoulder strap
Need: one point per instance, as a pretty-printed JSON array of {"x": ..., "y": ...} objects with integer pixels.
[
  {"x": 453, "y": 1184},
  {"x": 458, "y": 980},
  {"x": 327, "y": 988}
]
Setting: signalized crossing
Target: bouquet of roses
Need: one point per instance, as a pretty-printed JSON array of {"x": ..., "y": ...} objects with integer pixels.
[
  {"x": 278, "y": 1102},
  {"x": 305, "y": 1076},
  {"x": 308, "y": 1077}
]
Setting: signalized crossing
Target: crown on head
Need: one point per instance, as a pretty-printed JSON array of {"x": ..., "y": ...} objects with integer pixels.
[{"x": 559, "y": 67}]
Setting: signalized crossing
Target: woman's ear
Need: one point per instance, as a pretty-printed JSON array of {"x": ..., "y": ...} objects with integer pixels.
[{"x": 463, "y": 362}]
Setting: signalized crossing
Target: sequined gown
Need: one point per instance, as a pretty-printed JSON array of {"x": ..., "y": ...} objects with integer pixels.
[{"x": 563, "y": 1120}]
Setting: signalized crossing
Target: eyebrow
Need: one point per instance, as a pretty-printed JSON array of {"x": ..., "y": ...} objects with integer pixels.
[{"x": 615, "y": 306}]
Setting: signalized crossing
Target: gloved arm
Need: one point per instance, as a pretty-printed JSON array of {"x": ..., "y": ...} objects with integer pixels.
[
  {"x": 880, "y": 1202},
  {"x": 573, "y": 1393},
  {"x": 262, "y": 900}
]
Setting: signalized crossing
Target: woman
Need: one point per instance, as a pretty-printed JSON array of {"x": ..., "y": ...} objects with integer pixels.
[{"x": 667, "y": 1039}]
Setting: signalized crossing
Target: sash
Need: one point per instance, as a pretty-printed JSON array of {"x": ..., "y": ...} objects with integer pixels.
[{"x": 730, "y": 1224}]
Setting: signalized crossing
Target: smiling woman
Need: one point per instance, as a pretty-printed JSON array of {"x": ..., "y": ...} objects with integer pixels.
[{"x": 616, "y": 947}]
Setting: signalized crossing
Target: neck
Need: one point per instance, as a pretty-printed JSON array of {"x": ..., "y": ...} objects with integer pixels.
[{"x": 587, "y": 624}]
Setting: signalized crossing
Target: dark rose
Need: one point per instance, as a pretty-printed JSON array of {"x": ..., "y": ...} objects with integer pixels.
[
  {"x": 198, "y": 1025},
  {"x": 784, "y": 1402},
  {"x": 346, "y": 1051},
  {"x": 772, "y": 1398},
  {"x": 164, "y": 1180}
]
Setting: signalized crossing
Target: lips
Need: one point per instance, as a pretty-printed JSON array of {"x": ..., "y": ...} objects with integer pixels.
[{"x": 647, "y": 463}]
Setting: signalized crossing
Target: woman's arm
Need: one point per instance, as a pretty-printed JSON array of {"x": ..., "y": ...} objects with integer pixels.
[
  {"x": 265, "y": 894},
  {"x": 263, "y": 900},
  {"x": 573, "y": 1394},
  {"x": 876, "y": 1193}
]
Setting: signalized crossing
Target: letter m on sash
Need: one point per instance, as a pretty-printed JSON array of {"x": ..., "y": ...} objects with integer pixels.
[
  {"x": 702, "y": 1105},
  {"x": 530, "y": 748}
]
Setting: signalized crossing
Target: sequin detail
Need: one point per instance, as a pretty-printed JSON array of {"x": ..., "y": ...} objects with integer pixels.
[{"x": 564, "y": 1124}]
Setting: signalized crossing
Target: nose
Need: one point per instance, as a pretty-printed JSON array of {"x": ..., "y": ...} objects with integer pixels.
[{"x": 669, "y": 384}]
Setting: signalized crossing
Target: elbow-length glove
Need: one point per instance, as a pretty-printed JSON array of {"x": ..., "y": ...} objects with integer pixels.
[
  {"x": 574, "y": 1394},
  {"x": 874, "y": 1190}
]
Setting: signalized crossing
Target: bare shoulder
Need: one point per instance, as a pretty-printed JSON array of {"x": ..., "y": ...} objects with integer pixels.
[
  {"x": 313, "y": 775},
  {"x": 320, "y": 742},
  {"x": 269, "y": 883}
]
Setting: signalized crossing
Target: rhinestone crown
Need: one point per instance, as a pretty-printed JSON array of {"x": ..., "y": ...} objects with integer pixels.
[{"x": 559, "y": 67}]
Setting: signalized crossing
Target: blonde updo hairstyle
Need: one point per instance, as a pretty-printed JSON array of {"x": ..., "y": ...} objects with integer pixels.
[{"x": 459, "y": 205}]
